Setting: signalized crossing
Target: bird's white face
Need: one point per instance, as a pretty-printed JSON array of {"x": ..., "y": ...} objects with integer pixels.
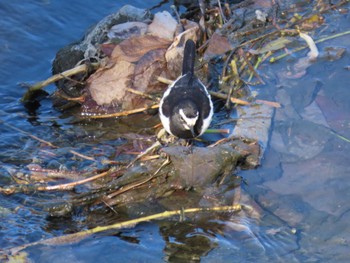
[{"x": 188, "y": 123}]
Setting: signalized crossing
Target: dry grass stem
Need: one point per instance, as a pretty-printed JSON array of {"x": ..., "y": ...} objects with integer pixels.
[
  {"x": 70, "y": 186},
  {"x": 142, "y": 94}
]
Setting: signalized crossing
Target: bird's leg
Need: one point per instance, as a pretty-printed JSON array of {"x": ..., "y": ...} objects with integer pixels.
[{"x": 189, "y": 144}]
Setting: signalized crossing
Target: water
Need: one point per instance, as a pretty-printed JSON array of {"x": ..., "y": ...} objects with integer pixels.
[{"x": 298, "y": 197}]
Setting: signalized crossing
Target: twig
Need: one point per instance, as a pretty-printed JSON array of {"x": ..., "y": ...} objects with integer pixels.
[
  {"x": 137, "y": 184},
  {"x": 340, "y": 136},
  {"x": 142, "y": 94},
  {"x": 82, "y": 156},
  {"x": 30, "y": 188},
  {"x": 223, "y": 140},
  {"x": 222, "y": 131},
  {"x": 75, "y": 237},
  {"x": 30, "y": 135},
  {"x": 258, "y": 62},
  {"x": 269, "y": 103},
  {"x": 224, "y": 96},
  {"x": 148, "y": 150},
  {"x": 70, "y": 186},
  {"x": 236, "y": 82},
  {"x": 228, "y": 59},
  {"x": 46, "y": 142},
  {"x": 71, "y": 79},
  {"x": 80, "y": 99},
  {"x": 122, "y": 113},
  {"x": 223, "y": 18},
  {"x": 251, "y": 68},
  {"x": 40, "y": 174},
  {"x": 57, "y": 77},
  {"x": 165, "y": 81}
]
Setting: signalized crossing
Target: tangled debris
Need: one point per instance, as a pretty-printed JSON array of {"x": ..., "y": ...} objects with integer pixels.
[
  {"x": 120, "y": 62},
  {"x": 115, "y": 71},
  {"x": 124, "y": 60}
]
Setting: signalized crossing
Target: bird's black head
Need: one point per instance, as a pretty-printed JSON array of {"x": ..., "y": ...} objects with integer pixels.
[{"x": 184, "y": 120}]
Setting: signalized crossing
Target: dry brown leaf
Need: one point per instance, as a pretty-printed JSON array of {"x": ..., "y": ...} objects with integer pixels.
[
  {"x": 107, "y": 48},
  {"x": 218, "y": 45},
  {"x": 174, "y": 54},
  {"x": 148, "y": 68},
  {"x": 133, "y": 49},
  {"x": 108, "y": 86},
  {"x": 133, "y": 64}
]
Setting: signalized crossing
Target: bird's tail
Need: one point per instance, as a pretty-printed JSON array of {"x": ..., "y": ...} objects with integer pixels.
[{"x": 189, "y": 55}]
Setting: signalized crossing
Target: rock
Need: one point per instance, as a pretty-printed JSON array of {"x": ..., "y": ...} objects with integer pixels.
[
  {"x": 89, "y": 47},
  {"x": 201, "y": 166},
  {"x": 98, "y": 34},
  {"x": 127, "y": 30},
  {"x": 299, "y": 139},
  {"x": 254, "y": 123}
]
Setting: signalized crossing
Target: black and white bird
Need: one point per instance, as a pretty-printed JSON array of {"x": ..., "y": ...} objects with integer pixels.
[{"x": 186, "y": 108}]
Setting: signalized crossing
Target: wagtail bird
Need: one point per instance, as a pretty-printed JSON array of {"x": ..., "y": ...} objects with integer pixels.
[{"x": 186, "y": 108}]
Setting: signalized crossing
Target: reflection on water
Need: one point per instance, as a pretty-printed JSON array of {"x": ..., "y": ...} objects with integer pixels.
[{"x": 298, "y": 198}]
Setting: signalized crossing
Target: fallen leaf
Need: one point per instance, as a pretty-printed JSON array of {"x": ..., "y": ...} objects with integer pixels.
[
  {"x": 277, "y": 44},
  {"x": 174, "y": 54},
  {"x": 107, "y": 48},
  {"x": 133, "y": 49},
  {"x": 218, "y": 45},
  {"x": 108, "y": 86},
  {"x": 148, "y": 68}
]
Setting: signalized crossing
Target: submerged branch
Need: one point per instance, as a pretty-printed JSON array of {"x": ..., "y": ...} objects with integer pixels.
[
  {"x": 46, "y": 142},
  {"x": 76, "y": 237}
]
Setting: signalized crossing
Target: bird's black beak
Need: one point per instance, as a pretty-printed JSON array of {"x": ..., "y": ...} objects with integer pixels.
[{"x": 192, "y": 131}]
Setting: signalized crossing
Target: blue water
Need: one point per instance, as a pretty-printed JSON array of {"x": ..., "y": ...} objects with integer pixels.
[{"x": 297, "y": 199}]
